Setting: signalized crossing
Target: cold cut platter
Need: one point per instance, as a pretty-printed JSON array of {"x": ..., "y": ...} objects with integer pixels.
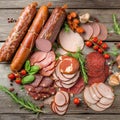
[{"x": 48, "y": 58}]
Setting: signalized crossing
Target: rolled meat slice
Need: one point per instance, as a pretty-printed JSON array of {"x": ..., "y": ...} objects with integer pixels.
[
  {"x": 103, "y": 32},
  {"x": 96, "y": 29},
  {"x": 43, "y": 45},
  {"x": 88, "y": 31},
  {"x": 18, "y": 32}
]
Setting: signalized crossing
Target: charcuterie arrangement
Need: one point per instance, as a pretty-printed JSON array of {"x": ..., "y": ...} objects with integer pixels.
[{"x": 47, "y": 58}]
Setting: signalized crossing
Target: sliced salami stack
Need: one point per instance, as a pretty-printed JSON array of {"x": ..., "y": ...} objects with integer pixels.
[
  {"x": 60, "y": 102},
  {"x": 97, "y": 69}
]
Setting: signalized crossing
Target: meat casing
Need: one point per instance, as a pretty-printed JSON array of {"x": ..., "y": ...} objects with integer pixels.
[
  {"x": 27, "y": 44},
  {"x": 18, "y": 32},
  {"x": 53, "y": 25}
]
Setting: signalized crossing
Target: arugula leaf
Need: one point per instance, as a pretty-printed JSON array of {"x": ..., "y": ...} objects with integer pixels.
[
  {"x": 116, "y": 25},
  {"x": 27, "y": 65}
]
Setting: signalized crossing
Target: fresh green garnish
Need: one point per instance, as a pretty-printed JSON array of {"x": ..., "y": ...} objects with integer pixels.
[
  {"x": 114, "y": 51},
  {"x": 26, "y": 104},
  {"x": 66, "y": 27},
  {"x": 27, "y": 65},
  {"x": 79, "y": 56},
  {"x": 57, "y": 56},
  {"x": 28, "y": 79},
  {"x": 116, "y": 25}
]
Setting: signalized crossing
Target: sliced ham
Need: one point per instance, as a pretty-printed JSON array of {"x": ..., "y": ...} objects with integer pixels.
[
  {"x": 58, "y": 83},
  {"x": 71, "y": 41},
  {"x": 37, "y": 57},
  {"x": 43, "y": 45},
  {"x": 69, "y": 76},
  {"x": 88, "y": 31},
  {"x": 92, "y": 93},
  {"x": 106, "y": 101},
  {"x": 66, "y": 95},
  {"x": 54, "y": 76},
  {"x": 36, "y": 82},
  {"x": 103, "y": 32},
  {"x": 104, "y": 106},
  {"x": 60, "y": 99},
  {"x": 61, "y": 51},
  {"x": 88, "y": 97},
  {"x": 68, "y": 85},
  {"x": 63, "y": 108},
  {"x": 48, "y": 60},
  {"x": 105, "y": 90},
  {"x": 96, "y": 91},
  {"x": 96, "y": 29},
  {"x": 46, "y": 82}
]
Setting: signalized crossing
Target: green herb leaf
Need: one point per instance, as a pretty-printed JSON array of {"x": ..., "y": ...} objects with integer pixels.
[
  {"x": 66, "y": 27},
  {"x": 78, "y": 55},
  {"x": 34, "y": 69},
  {"x": 116, "y": 25},
  {"x": 27, "y": 65},
  {"x": 26, "y": 104},
  {"x": 28, "y": 79}
]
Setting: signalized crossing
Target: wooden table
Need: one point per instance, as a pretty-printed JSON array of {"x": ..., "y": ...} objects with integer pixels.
[{"x": 103, "y": 10}]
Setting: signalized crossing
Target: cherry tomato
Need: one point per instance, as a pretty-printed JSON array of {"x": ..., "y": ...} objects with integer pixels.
[
  {"x": 18, "y": 80},
  {"x": 11, "y": 76},
  {"x": 99, "y": 42},
  {"x": 100, "y": 50},
  {"x": 23, "y": 72},
  {"x": 106, "y": 56},
  {"x": 76, "y": 101},
  {"x": 95, "y": 47},
  {"x": 95, "y": 39},
  {"x": 104, "y": 46},
  {"x": 88, "y": 43}
]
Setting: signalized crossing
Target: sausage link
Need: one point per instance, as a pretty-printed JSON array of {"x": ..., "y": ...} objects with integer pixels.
[
  {"x": 27, "y": 44},
  {"x": 53, "y": 25},
  {"x": 18, "y": 32}
]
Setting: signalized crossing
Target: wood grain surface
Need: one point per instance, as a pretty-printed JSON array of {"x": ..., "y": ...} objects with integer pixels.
[{"x": 101, "y": 9}]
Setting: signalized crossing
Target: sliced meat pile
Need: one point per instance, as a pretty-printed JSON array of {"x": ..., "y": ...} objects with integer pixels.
[
  {"x": 97, "y": 70},
  {"x": 45, "y": 60},
  {"x": 98, "y": 96},
  {"x": 60, "y": 102},
  {"x": 71, "y": 41},
  {"x": 67, "y": 72},
  {"x": 41, "y": 88},
  {"x": 94, "y": 30}
]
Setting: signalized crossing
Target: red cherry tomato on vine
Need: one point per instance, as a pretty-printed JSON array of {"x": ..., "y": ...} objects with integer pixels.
[
  {"x": 11, "y": 76},
  {"x": 106, "y": 56},
  {"x": 76, "y": 101},
  {"x": 88, "y": 43},
  {"x": 95, "y": 39}
]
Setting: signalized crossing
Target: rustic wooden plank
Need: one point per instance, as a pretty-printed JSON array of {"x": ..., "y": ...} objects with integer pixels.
[
  {"x": 105, "y": 16},
  {"x": 70, "y": 3},
  {"x": 6, "y": 104},
  {"x": 56, "y": 117}
]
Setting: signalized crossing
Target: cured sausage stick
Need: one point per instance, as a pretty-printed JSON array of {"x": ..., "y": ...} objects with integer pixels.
[
  {"x": 53, "y": 25},
  {"x": 18, "y": 32},
  {"x": 27, "y": 44}
]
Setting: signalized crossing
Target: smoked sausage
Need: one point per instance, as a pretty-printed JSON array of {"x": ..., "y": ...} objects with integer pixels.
[
  {"x": 53, "y": 25},
  {"x": 27, "y": 44},
  {"x": 18, "y": 32}
]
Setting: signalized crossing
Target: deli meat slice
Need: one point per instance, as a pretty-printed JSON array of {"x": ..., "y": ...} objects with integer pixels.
[
  {"x": 88, "y": 31},
  {"x": 105, "y": 90},
  {"x": 48, "y": 60},
  {"x": 43, "y": 45},
  {"x": 96, "y": 29},
  {"x": 60, "y": 99},
  {"x": 71, "y": 41},
  {"x": 106, "y": 101},
  {"x": 61, "y": 51},
  {"x": 37, "y": 57},
  {"x": 69, "y": 76},
  {"x": 88, "y": 97},
  {"x": 103, "y": 32},
  {"x": 104, "y": 106},
  {"x": 67, "y": 85}
]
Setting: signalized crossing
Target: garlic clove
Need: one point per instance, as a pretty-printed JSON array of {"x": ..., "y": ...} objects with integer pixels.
[
  {"x": 84, "y": 18},
  {"x": 113, "y": 80}
]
